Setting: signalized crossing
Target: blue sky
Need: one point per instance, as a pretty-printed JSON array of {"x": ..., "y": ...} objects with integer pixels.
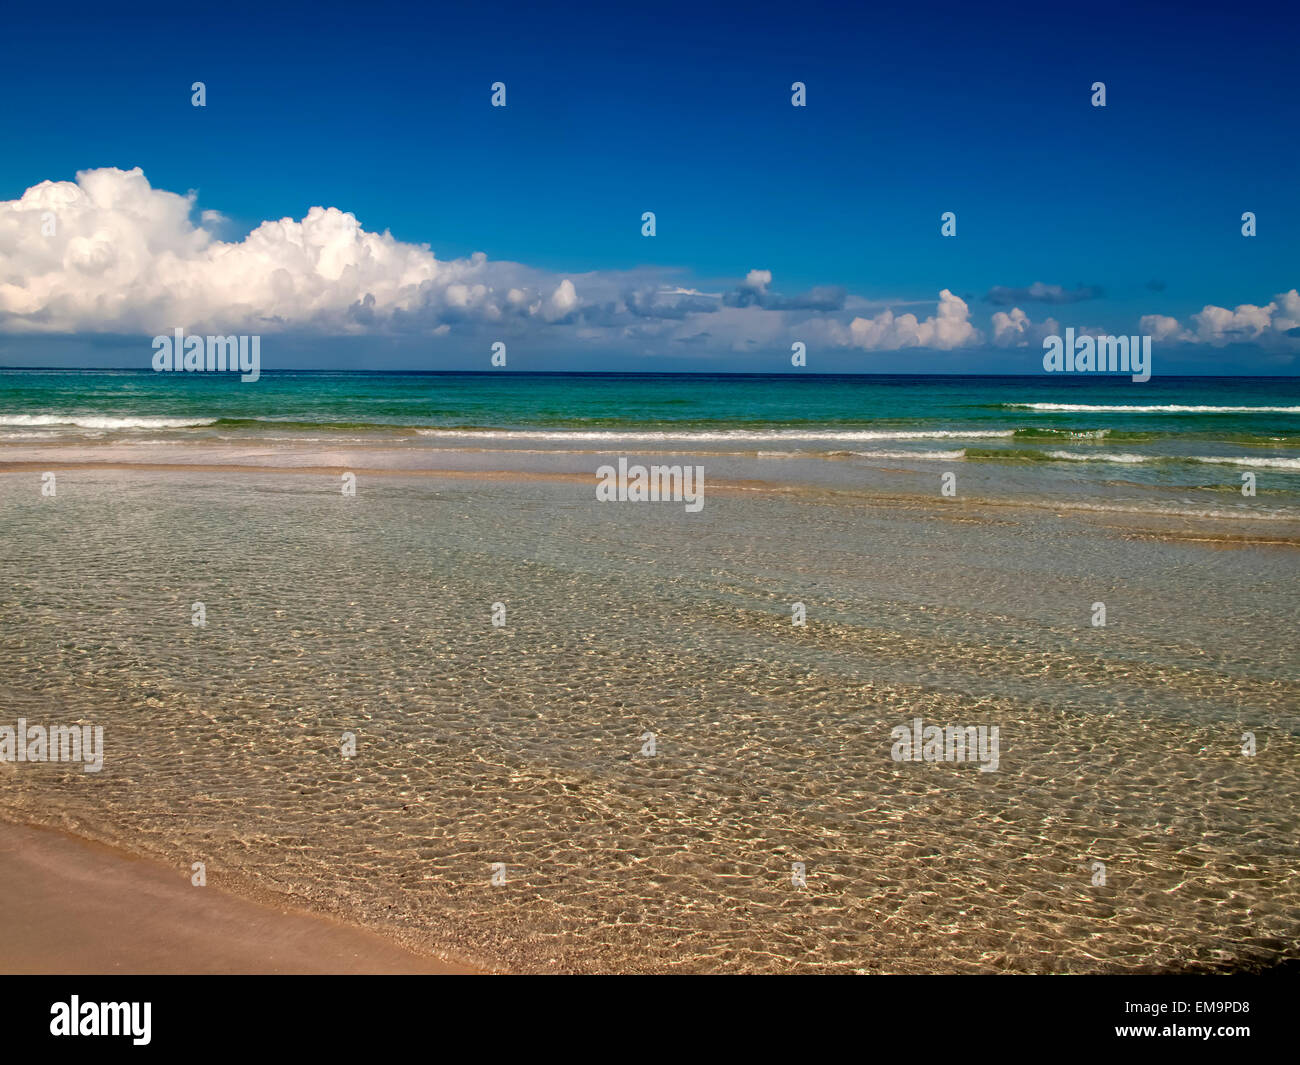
[{"x": 382, "y": 111}]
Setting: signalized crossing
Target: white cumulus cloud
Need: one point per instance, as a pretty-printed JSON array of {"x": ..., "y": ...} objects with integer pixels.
[
  {"x": 109, "y": 253},
  {"x": 948, "y": 328},
  {"x": 1278, "y": 321},
  {"x": 1015, "y": 329}
]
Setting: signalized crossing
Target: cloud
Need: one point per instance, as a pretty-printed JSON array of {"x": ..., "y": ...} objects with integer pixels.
[
  {"x": 948, "y": 328},
  {"x": 1013, "y": 329},
  {"x": 123, "y": 256},
  {"x": 110, "y": 254},
  {"x": 1162, "y": 327},
  {"x": 1273, "y": 324},
  {"x": 563, "y": 301},
  {"x": 665, "y": 303},
  {"x": 1041, "y": 293},
  {"x": 754, "y": 292}
]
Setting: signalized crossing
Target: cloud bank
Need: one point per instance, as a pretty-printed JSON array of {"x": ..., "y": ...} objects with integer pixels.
[
  {"x": 1276, "y": 322},
  {"x": 948, "y": 328},
  {"x": 110, "y": 254}
]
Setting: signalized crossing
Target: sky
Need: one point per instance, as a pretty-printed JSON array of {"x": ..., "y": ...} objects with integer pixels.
[{"x": 349, "y": 192}]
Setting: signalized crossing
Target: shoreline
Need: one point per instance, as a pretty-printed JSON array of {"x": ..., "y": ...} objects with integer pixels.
[{"x": 75, "y": 905}]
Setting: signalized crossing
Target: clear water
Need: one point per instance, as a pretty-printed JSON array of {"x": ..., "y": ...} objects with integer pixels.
[{"x": 523, "y": 744}]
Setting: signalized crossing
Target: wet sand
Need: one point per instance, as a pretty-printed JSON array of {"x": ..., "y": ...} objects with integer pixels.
[{"x": 72, "y": 906}]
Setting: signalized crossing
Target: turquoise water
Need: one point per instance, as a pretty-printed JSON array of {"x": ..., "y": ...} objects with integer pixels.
[
  {"x": 1095, "y": 432},
  {"x": 1205, "y": 408}
]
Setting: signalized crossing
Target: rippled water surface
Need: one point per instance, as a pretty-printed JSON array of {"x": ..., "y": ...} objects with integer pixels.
[{"x": 523, "y": 744}]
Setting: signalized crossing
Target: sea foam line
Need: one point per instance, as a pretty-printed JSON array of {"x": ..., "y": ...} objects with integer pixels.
[
  {"x": 1159, "y": 408},
  {"x": 89, "y": 421},
  {"x": 701, "y": 436},
  {"x": 930, "y": 455},
  {"x": 1213, "y": 460}
]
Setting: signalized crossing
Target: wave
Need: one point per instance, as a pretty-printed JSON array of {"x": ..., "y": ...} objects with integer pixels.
[
  {"x": 724, "y": 435},
  {"x": 97, "y": 421},
  {"x": 1155, "y": 408},
  {"x": 924, "y": 455},
  {"x": 1103, "y": 456},
  {"x": 1131, "y": 458},
  {"x": 1212, "y": 460},
  {"x": 1058, "y": 434},
  {"x": 1247, "y": 460},
  {"x": 487, "y": 433},
  {"x": 315, "y": 426}
]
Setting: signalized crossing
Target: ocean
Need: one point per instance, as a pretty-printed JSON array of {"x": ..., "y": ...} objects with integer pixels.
[
  {"x": 1169, "y": 442},
  {"x": 592, "y": 737}
]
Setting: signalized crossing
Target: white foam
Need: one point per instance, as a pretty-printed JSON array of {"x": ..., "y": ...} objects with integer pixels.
[
  {"x": 94, "y": 421},
  {"x": 934, "y": 456},
  {"x": 1213, "y": 460},
  {"x": 1249, "y": 460},
  {"x": 1160, "y": 408},
  {"x": 721, "y": 435},
  {"x": 1101, "y": 456}
]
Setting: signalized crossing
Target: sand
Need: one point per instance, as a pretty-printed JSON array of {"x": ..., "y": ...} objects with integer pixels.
[{"x": 71, "y": 906}]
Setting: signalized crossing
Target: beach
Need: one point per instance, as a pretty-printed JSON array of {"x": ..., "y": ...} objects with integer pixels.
[
  {"x": 73, "y": 906},
  {"x": 477, "y": 714}
]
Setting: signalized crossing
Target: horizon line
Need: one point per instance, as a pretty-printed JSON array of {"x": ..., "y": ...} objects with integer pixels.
[{"x": 783, "y": 374}]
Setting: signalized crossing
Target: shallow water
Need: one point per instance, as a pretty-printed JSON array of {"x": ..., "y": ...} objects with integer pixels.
[
  {"x": 1180, "y": 444},
  {"x": 522, "y": 744}
]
